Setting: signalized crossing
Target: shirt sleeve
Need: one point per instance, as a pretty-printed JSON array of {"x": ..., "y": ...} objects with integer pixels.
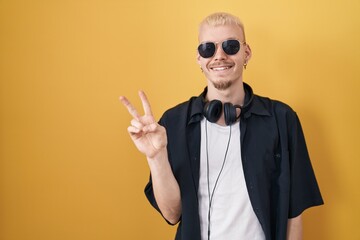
[
  {"x": 304, "y": 189},
  {"x": 149, "y": 193}
]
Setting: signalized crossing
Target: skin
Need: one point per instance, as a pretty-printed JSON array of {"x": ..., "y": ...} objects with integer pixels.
[
  {"x": 225, "y": 82},
  {"x": 295, "y": 229}
]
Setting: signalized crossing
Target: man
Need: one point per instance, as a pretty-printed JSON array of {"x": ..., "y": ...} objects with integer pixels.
[{"x": 227, "y": 164}]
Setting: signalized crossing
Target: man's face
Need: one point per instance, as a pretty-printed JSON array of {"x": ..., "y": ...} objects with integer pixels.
[{"x": 223, "y": 70}]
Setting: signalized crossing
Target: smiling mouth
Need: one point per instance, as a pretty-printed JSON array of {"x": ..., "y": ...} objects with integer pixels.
[{"x": 222, "y": 68}]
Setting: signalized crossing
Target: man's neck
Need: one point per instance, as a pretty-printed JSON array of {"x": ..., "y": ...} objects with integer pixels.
[{"x": 235, "y": 94}]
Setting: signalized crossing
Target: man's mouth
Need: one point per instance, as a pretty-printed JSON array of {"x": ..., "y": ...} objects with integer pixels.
[{"x": 220, "y": 68}]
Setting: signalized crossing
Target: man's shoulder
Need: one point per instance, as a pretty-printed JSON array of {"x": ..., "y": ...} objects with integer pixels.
[
  {"x": 180, "y": 108},
  {"x": 273, "y": 105},
  {"x": 178, "y": 114}
]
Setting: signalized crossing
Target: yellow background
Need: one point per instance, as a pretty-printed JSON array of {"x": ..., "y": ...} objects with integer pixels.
[{"x": 68, "y": 169}]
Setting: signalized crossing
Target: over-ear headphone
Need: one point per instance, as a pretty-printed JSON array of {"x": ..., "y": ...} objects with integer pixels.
[{"x": 213, "y": 109}]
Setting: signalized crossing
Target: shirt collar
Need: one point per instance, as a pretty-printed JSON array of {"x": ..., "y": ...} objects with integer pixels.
[{"x": 253, "y": 105}]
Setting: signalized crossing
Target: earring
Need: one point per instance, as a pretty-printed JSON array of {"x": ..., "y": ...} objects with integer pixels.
[
  {"x": 245, "y": 64},
  {"x": 201, "y": 69}
]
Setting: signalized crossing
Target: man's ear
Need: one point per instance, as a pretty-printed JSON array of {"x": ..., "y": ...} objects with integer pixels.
[
  {"x": 199, "y": 62},
  {"x": 248, "y": 52}
]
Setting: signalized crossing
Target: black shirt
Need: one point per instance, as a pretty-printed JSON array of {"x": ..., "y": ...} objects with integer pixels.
[{"x": 277, "y": 169}]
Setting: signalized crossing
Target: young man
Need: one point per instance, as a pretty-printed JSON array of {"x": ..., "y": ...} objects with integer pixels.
[{"x": 227, "y": 164}]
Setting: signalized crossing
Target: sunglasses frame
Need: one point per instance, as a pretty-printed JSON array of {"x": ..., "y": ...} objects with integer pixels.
[{"x": 216, "y": 44}]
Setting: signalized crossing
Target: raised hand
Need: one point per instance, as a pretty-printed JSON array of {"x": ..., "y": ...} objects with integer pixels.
[{"x": 148, "y": 136}]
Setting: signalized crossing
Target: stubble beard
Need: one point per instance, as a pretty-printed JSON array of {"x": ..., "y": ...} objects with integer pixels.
[{"x": 222, "y": 84}]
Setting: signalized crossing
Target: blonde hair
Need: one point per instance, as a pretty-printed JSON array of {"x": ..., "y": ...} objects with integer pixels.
[{"x": 222, "y": 18}]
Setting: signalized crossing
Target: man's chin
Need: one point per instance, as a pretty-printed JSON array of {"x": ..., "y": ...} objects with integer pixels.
[{"x": 222, "y": 84}]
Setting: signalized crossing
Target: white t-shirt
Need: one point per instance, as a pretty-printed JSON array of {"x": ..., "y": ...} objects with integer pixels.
[{"x": 231, "y": 215}]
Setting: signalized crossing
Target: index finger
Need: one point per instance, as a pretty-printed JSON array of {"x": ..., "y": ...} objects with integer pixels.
[
  {"x": 131, "y": 109},
  {"x": 145, "y": 103}
]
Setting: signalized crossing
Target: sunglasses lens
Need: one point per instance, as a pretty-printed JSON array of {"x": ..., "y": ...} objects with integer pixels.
[
  {"x": 231, "y": 47},
  {"x": 206, "y": 50}
]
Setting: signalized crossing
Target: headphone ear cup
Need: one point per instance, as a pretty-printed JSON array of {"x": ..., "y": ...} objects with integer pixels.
[
  {"x": 229, "y": 113},
  {"x": 213, "y": 110}
]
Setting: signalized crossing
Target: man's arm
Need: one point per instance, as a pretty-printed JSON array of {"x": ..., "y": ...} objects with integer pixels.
[
  {"x": 150, "y": 139},
  {"x": 294, "y": 228},
  {"x": 165, "y": 187}
]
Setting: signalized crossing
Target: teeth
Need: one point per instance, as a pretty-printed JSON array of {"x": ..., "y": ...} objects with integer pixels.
[{"x": 220, "y": 68}]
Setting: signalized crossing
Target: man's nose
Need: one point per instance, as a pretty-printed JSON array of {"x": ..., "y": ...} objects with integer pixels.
[{"x": 219, "y": 53}]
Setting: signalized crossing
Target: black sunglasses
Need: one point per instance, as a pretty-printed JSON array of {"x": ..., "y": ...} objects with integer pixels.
[{"x": 230, "y": 47}]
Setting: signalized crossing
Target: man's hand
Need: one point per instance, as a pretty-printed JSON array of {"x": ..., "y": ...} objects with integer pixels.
[
  {"x": 151, "y": 139},
  {"x": 148, "y": 136}
]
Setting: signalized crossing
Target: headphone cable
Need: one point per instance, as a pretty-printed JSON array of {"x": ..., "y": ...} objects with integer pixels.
[{"x": 208, "y": 170}]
